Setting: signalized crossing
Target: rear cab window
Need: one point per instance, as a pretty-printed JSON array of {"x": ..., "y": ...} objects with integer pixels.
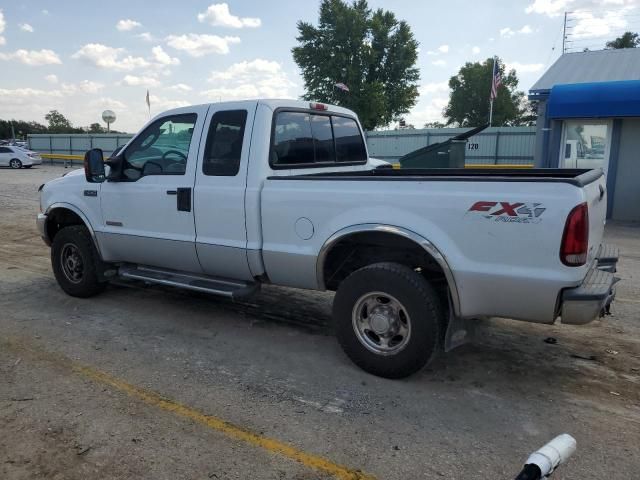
[{"x": 305, "y": 139}]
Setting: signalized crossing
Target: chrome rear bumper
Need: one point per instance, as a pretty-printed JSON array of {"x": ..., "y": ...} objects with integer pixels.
[{"x": 593, "y": 298}]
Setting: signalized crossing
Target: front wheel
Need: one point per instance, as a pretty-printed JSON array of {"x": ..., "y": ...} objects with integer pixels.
[
  {"x": 15, "y": 163},
  {"x": 388, "y": 319},
  {"x": 76, "y": 263}
]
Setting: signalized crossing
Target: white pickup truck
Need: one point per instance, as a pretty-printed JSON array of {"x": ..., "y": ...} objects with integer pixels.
[{"x": 222, "y": 198}]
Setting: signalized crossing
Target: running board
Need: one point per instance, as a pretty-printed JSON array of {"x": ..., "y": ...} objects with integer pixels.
[{"x": 190, "y": 281}]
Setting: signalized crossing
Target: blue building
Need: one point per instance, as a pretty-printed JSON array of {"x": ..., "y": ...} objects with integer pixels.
[{"x": 589, "y": 117}]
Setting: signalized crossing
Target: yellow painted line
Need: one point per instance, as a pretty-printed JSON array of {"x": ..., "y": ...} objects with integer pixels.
[
  {"x": 214, "y": 423},
  {"x": 62, "y": 156}
]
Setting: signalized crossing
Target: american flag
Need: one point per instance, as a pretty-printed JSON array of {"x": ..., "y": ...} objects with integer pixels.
[{"x": 496, "y": 81}]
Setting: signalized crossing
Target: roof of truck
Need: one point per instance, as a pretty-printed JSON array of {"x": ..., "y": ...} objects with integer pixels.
[{"x": 272, "y": 103}]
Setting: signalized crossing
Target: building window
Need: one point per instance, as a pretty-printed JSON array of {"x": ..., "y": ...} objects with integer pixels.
[{"x": 586, "y": 144}]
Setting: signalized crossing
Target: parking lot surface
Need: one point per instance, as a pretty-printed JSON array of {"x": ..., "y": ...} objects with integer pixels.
[{"x": 150, "y": 382}]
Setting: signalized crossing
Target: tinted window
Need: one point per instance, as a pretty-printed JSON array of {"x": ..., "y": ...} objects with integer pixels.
[
  {"x": 224, "y": 143},
  {"x": 349, "y": 142},
  {"x": 293, "y": 142},
  {"x": 5, "y": 150},
  {"x": 322, "y": 139},
  {"x": 161, "y": 149}
]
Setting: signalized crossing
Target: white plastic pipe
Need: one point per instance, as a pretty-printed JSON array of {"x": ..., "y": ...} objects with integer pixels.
[{"x": 554, "y": 453}]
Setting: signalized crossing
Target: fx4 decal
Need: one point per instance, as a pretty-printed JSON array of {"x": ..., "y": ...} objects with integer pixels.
[{"x": 518, "y": 212}]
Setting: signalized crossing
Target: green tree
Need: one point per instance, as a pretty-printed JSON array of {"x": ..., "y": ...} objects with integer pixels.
[
  {"x": 371, "y": 52},
  {"x": 469, "y": 101},
  {"x": 96, "y": 128},
  {"x": 58, "y": 123},
  {"x": 434, "y": 125},
  {"x": 20, "y": 126},
  {"x": 627, "y": 40}
]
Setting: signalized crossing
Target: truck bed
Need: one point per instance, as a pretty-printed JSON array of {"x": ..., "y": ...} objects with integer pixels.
[{"x": 577, "y": 177}]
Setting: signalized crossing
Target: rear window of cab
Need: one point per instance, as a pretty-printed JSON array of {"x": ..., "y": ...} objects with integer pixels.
[{"x": 306, "y": 139}]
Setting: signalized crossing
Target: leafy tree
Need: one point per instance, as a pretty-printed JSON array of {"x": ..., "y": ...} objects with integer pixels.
[
  {"x": 469, "y": 101},
  {"x": 371, "y": 52},
  {"x": 96, "y": 128},
  {"x": 58, "y": 123},
  {"x": 627, "y": 40},
  {"x": 434, "y": 125},
  {"x": 19, "y": 126}
]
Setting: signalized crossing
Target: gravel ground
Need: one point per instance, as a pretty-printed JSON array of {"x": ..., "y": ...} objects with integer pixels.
[{"x": 271, "y": 366}]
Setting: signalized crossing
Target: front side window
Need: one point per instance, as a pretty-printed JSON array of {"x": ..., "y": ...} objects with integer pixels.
[
  {"x": 224, "y": 143},
  {"x": 305, "y": 139},
  {"x": 161, "y": 149}
]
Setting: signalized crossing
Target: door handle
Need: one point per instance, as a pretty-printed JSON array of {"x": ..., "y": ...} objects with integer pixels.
[
  {"x": 172, "y": 192},
  {"x": 184, "y": 199}
]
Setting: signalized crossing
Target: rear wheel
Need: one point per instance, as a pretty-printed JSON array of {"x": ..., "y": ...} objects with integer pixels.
[
  {"x": 76, "y": 263},
  {"x": 388, "y": 319},
  {"x": 15, "y": 163}
]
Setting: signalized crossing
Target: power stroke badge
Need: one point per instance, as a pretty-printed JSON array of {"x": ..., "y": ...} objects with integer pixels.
[{"x": 508, "y": 212}]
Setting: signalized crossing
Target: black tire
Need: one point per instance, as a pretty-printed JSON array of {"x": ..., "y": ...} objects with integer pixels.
[
  {"x": 27, "y": 166},
  {"x": 421, "y": 309},
  {"x": 75, "y": 262},
  {"x": 15, "y": 163}
]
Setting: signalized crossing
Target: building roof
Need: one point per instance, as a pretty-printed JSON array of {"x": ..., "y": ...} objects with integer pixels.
[{"x": 596, "y": 66}]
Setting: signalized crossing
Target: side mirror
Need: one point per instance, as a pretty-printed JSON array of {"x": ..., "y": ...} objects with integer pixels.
[{"x": 94, "y": 166}]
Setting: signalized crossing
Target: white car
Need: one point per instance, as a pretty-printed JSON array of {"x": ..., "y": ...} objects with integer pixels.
[{"x": 17, "y": 157}]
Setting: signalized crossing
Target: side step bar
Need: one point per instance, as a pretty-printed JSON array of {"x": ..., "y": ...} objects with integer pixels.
[{"x": 190, "y": 281}]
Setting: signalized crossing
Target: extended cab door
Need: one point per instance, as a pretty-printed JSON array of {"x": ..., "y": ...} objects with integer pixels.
[
  {"x": 219, "y": 197},
  {"x": 147, "y": 213}
]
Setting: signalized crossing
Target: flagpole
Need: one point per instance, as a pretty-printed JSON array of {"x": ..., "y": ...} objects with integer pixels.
[{"x": 493, "y": 75}]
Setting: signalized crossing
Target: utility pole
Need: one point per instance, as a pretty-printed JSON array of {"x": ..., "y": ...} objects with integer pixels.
[{"x": 564, "y": 34}]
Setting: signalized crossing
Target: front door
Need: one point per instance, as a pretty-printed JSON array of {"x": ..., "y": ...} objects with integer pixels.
[
  {"x": 147, "y": 218},
  {"x": 220, "y": 191},
  {"x": 586, "y": 144}
]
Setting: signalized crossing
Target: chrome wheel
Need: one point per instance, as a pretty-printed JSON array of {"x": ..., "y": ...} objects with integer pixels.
[
  {"x": 381, "y": 323},
  {"x": 71, "y": 263}
]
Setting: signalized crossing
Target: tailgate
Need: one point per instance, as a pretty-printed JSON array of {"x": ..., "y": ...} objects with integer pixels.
[{"x": 596, "y": 198}]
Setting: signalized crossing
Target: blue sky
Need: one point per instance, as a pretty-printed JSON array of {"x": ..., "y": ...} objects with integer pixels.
[{"x": 82, "y": 57}]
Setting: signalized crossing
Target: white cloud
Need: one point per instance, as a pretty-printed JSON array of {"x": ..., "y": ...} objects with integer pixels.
[
  {"x": 433, "y": 87},
  {"x": 51, "y": 78},
  {"x": 438, "y": 63},
  {"x": 200, "y": 45},
  {"x": 441, "y": 49},
  {"x": 163, "y": 103},
  {"x": 525, "y": 67},
  {"x": 180, "y": 87},
  {"x": 140, "y": 81},
  {"x": 218, "y": 15},
  {"x": 508, "y": 32},
  {"x": 428, "y": 111},
  {"x": 106, "y": 102},
  {"x": 258, "y": 78},
  {"x": 33, "y": 58},
  {"x": 127, "y": 25},
  {"x": 25, "y": 27},
  {"x": 475, "y": 50},
  {"x": 162, "y": 57},
  {"x": 45, "y": 12},
  {"x": 552, "y": 8},
  {"x": 88, "y": 86},
  {"x": 3, "y": 24},
  {"x": 146, "y": 36},
  {"x": 103, "y": 56},
  {"x": 589, "y": 25}
]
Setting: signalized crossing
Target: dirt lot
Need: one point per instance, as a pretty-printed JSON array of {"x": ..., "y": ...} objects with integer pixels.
[{"x": 147, "y": 382}]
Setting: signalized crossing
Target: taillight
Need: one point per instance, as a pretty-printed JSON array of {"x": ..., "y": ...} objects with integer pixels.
[{"x": 575, "y": 239}]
